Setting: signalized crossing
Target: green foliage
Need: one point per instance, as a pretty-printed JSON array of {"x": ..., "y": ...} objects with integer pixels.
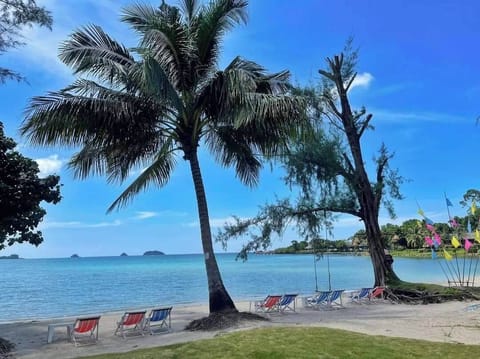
[
  {"x": 471, "y": 195},
  {"x": 21, "y": 192},
  {"x": 325, "y": 168},
  {"x": 143, "y": 107},
  {"x": 298, "y": 342},
  {"x": 146, "y": 107},
  {"x": 15, "y": 15}
]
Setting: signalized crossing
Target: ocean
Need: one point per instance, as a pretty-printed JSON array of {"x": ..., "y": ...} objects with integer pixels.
[{"x": 51, "y": 288}]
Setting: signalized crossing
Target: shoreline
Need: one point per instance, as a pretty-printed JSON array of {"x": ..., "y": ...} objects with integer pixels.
[{"x": 451, "y": 322}]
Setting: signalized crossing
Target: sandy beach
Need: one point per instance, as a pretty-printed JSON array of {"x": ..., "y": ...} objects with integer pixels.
[{"x": 453, "y": 322}]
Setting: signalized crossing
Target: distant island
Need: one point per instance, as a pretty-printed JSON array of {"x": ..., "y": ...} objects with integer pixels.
[
  {"x": 124, "y": 254},
  {"x": 74, "y": 256},
  {"x": 153, "y": 253},
  {"x": 11, "y": 256}
]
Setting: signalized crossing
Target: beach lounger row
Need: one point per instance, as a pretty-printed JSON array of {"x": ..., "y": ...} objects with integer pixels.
[
  {"x": 368, "y": 295},
  {"x": 275, "y": 303},
  {"x": 85, "y": 330},
  {"x": 331, "y": 299}
]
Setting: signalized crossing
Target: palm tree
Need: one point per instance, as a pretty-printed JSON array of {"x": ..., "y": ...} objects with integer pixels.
[{"x": 163, "y": 99}]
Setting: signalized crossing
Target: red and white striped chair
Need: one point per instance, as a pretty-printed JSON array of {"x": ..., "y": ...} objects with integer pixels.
[{"x": 85, "y": 330}]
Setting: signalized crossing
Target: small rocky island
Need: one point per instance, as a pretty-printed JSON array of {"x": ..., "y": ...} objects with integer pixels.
[
  {"x": 153, "y": 253},
  {"x": 124, "y": 254},
  {"x": 11, "y": 256},
  {"x": 74, "y": 256}
]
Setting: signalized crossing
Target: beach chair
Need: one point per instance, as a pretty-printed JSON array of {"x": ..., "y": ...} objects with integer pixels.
[
  {"x": 318, "y": 300},
  {"x": 84, "y": 331},
  {"x": 131, "y": 323},
  {"x": 376, "y": 294},
  {"x": 361, "y": 296},
  {"x": 159, "y": 319},
  {"x": 287, "y": 303},
  {"x": 269, "y": 304},
  {"x": 334, "y": 300}
]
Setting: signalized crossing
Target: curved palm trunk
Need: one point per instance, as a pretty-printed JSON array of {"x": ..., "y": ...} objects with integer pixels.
[{"x": 219, "y": 299}]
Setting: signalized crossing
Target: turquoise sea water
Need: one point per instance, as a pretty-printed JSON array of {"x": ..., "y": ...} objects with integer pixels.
[{"x": 46, "y": 288}]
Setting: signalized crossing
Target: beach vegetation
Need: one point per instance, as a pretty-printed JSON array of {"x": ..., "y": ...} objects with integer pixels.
[
  {"x": 301, "y": 342},
  {"x": 147, "y": 107},
  {"x": 14, "y": 16},
  {"x": 328, "y": 171},
  {"x": 22, "y": 192}
]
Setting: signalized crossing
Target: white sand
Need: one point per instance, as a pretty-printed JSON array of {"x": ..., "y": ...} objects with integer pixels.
[{"x": 447, "y": 322}]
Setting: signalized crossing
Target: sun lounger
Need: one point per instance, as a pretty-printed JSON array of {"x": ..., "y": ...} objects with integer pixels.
[
  {"x": 334, "y": 301},
  {"x": 159, "y": 319},
  {"x": 287, "y": 303},
  {"x": 84, "y": 331},
  {"x": 131, "y": 323},
  {"x": 376, "y": 294},
  {"x": 268, "y": 305},
  {"x": 318, "y": 300},
  {"x": 361, "y": 296}
]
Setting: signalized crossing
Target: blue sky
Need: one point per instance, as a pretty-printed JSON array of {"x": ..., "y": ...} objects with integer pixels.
[{"x": 418, "y": 74}]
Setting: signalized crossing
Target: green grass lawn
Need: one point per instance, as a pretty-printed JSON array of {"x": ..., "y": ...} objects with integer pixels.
[{"x": 295, "y": 342}]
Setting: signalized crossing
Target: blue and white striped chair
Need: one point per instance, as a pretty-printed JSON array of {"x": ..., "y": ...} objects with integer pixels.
[
  {"x": 318, "y": 300},
  {"x": 362, "y": 296},
  {"x": 287, "y": 303},
  {"x": 159, "y": 319}
]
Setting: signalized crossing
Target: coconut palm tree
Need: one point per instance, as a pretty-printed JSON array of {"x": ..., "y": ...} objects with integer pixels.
[{"x": 163, "y": 99}]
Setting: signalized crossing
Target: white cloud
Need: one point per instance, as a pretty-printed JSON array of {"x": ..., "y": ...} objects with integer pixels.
[
  {"x": 77, "y": 224},
  {"x": 362, "y": 80},
  {"x": 50, "y": 165},
  {"x": 42, "y": 45},
  {"x": 409, "y": 117},
  {"x": 150, "y": 214},
  {"x": 145, "y": 215}
]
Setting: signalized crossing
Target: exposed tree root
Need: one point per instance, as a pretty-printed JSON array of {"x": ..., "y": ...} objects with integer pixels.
[
  {"x": 414, "y": 293},
  {"x": 217, "y": 321}
]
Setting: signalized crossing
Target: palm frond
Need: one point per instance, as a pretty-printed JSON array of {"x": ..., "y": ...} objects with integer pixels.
[
  {"x": 158, "y": 173},
  {"x": 214, "y": 21},
  {"x": 91, "y": 51},
  {"x": 86, "y": 111},
  {"x": 164, "y": 37},
  {"x": 156, "y": 83},
  {"x": 189, "y": 9},
  {"x": 234, "y": 147}
]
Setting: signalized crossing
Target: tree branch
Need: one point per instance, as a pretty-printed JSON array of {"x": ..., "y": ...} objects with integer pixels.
[{"x": 365, "y": 124}]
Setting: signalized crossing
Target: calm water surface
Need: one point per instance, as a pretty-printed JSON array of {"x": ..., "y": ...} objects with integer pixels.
[{"x": 46, "y": 288}]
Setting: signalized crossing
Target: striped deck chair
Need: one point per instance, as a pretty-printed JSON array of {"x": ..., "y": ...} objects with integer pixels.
[
  {"x": 287, "y": 303},
  {"x": 318, "y": 300},
  {"x": 131, "y": 323},
  {"x": 361, "y": 296},
  {"x": 158, "y": 319},
  {"x": 376, "y": 294},
  {"x": 334, "y": 301},
  {"x": 269, "y": 304},
  {"x": 84, "y": 331}
]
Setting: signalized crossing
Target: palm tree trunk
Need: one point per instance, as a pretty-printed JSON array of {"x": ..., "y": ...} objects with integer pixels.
[{"x": 219, "y": 299}]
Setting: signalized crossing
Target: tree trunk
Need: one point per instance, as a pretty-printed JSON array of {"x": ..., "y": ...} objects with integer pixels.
[
  {"x": 368, "y": 198},
  {"x": 219, "y": 299},
  {"x": 382, "y": 266}
]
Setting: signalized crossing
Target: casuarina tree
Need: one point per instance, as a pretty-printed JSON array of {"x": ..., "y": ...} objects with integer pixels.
[
  {"x": 328, "y": 172},
  {"x": 164, "y": 99},
  {"x": 14, "y": 16}
]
